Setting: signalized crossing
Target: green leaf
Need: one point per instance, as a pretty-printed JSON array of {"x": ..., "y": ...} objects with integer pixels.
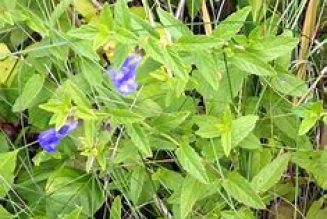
[
  {"x": 123, "y": 116},
  {"x": 75, "y": 214},
  {"x": 272, "y": 47},
  {"x": 307, "y": 123},
  {"x": 140, "y": 139},
  {"x": 259, "y": 159},
  {"x": 85, "y": 113},
  {"x": 122, "y": 16},
  {"x": 170, "y": 121},
  {"x": 317, "y": 210},
  {"x": 232, "y": 24},
  {"x": 206, "y": 65},
  {"x": 121, "y": 52},
  {"x": 168, "y": 56},
  {"x": 84, "y": 48},
  {"x": 4, "y": 146},
  {"x": 190, "y": 193},
  {"x": 242, "y": 127},
  {"x": 252, "y": 64},
  {"x": 229, "y": 86},
  {"x": 7, "y": 63},
  {"x": 168, "y": 178},
  {"x": 39, "y": 118},
  {"x": 314, "y": 163},
  {"x": 85, "y": 8},
  {"x": 212, "y": 149},
  {"x": 115, "y": 210},
  {"x": 125, "y": 36},
  {"x": 208, "y": 131},
  {"x": 225, "y": 129},
  {"x": 145, "y": 26},
  {"x": 196, "y": 43},
  {"x": 251, "y": 142},
  {"x": 192, "y": 162},
  {"x": 76, "y": 94},
  {"x": 91, "y": 71},
  {"x": 59, "y": 10},
  {"x": 270, "y": 174},
  {"x": 106, "y": 21},
  {"x": 173, "y": 61},
  {"x": 30, "y": 91},
  {"x": 259, "y": 9},
  {"x": 244, "y": 213},
  {"x": 8, "y": 5},
  {"x": 175, "y": 27},
  {"x": 68, "y": 188},
  {"x": 241, "y": 190},
  {"x": 289, "y": 84},
  {"x": 136, "y": 183},
  {"x": 7, "y": 168},
  {"x": 311, "y": 113},
  {"x": 5, "y": 214}
]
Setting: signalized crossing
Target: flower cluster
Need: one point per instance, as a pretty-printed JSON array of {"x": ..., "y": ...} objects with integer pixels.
[
  {"x": 124, "y": 80},
  {"x": 50, "y": 138}
]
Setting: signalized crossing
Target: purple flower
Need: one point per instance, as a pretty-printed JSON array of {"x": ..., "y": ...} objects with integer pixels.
[
  {"x": 68, "y": 128},
  {"x": 124, "y": 80},
  {"x": 50, "y": 138}
]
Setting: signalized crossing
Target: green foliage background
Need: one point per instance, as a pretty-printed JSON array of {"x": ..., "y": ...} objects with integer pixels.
[{"x": 220, "y": 126}]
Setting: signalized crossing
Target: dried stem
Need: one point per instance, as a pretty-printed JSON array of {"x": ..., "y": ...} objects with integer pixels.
[
  {"x": 307, "y": 35},
  {"x": 206, "y": 18}
]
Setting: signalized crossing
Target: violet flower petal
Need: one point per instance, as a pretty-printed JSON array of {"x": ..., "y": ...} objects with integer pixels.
[
  {"x": 124, "y": 80},
  {"x": 49, "y": 140},
  {"x": 68, "y": 128}
]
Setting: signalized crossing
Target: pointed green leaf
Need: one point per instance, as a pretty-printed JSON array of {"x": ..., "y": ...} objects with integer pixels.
[
  {"x": 7, "y": 168},
  {"x": 139, "y": 139},
  {"x": 190, "y": 193},
  {"x": 225, "y": 129},
  {"x": 209, "y": 131},
  {"x": 136, "y": 183},
  {"x": 241, "y": 190},
  {"x": 314, "y": 162},
  {"x": 123, "y": 116},
  {"x": 307, "y": 123},
  {"x": 192, "y": 162},
  {"x": 232, "y": 24},
  {"x": 66, "y": 186},
  {"x": 252, "y": 64},
  {"x": 145, "y": 26},
  {"x": 272, "y": 47},
  {"x": 311, "y": 113},
  {"x": 206, "y": 65},
  {"x": 115, "y": 210},
  {"x": 168, "y": 178},
  {"x": 197, "y": 42},
  {"x": 173, "y": 61},
  {"x": 59, "y": 10},
  {"x": 122, "y": 17},
  {"x": 242, "y": 127},
  {"x": 174, "y": 26},
  {"x": 289, "y": 84},
  {"x": 91, "y": 71},
  {"x": 270, "y": 174},
  {"x": 75, "y": 214},
  {"x": 5, "y": 214},
  {"x": 30, "y": 91}
]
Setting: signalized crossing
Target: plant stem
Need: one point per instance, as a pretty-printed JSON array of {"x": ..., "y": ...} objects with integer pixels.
[{"x": 307, "y": 35}]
